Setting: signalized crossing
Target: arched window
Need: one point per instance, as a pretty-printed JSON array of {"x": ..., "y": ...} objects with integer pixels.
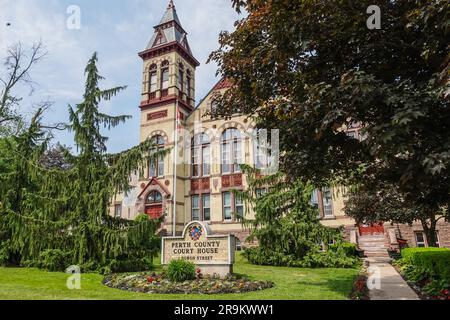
[
  {"x": 231, "y": 150},
  {"x": 156, "y": 167},
  {"x": 154, "y": 197},
  {"x": 153, "y": 79},
  {"x": 201, "y": 155},
  {"x": 181, "y": 78},
  {"x": 164, "y": 78}
]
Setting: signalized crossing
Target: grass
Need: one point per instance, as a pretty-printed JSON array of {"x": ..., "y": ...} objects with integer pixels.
[{"x": 290, "y": 284}]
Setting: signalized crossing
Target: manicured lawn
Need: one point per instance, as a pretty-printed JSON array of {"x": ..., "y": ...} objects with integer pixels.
[{"x": 290, "y": 284}]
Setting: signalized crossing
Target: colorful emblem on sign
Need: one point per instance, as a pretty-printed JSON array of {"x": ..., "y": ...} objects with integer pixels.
[{"x": 195, "y": 232}]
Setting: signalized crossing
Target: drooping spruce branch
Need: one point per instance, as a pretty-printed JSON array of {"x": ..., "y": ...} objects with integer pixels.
[{"x": 68, "y": 208}]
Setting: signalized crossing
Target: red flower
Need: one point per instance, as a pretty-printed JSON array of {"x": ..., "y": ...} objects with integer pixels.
[
  {"x": 445, "y": 292},
  {"x": 150, "y": 279},
  {"x": 199, "y": 270}
]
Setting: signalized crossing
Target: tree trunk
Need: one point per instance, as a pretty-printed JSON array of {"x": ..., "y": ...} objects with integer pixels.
[{"x": 430, "y": 230}]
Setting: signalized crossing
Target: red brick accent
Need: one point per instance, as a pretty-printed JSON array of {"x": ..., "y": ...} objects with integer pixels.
[
  {"x": 157, "y": 115},
  {"x": 202, "y": 184},
  {"x": 233, "y": 180}
]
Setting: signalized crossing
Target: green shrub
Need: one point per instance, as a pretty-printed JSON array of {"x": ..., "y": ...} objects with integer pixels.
[
  {"x": 328, "y": 259},
  {"x": 55, "y": 260},
  {"x": 180, "y": 270},
  {"x": 435, "y": 260},
  {"x": 129, "y": 264},
  {"x": 349, "y": 249}
]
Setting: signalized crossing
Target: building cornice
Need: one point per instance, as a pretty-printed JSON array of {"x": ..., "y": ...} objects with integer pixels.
[{"x": 173, "y": 46}]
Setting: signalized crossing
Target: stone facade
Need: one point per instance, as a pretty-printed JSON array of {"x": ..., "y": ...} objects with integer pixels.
[{"x": 192, "y": 182}]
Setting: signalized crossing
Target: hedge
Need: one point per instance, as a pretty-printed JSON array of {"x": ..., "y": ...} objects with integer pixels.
[{"x": 436, "y": 260}]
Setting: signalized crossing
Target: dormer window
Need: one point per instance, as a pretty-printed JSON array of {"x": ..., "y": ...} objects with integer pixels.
[{"x": 160, "y": 39}]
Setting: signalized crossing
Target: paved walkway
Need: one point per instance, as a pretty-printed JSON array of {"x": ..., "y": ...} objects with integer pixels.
[{"x": 392, "y": 285}]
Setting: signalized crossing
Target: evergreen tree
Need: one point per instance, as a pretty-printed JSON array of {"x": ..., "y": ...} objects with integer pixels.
[
  {"x": 67, "y": 209},
  {"x": 286, "y": 224}
]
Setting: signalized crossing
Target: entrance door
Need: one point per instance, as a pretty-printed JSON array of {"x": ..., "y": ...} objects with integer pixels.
[
  {"x": 154, "y": 212},
  {"x": 370, "y": 229}
]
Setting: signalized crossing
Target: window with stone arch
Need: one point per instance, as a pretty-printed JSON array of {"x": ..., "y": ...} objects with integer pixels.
[
  {"x": 231, "y": 151},
  {"x": 153, "y": 79},
  {"x": 201, "y": 155},
  {"x": 164, "y": 77},
  {"x": 154, "y": 197},
  {"x": 156, "y": 167}
]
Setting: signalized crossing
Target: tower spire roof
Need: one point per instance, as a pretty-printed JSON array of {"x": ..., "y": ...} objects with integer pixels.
[
  {"x": 170, "y": 15},
  {"x": 169, "y": 32}
]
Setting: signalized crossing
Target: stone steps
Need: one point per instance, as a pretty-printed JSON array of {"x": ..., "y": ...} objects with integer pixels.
[{"x": 374, "y": 246}]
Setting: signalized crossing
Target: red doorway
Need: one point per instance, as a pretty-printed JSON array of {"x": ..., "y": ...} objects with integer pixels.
[
  {"x": 154, "y": 212},
  {"x": 371, "y": 229}
]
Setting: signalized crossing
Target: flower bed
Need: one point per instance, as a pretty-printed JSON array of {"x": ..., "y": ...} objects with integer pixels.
[
  {"x": 360, "y": 290},
  {"x": 158, "y": 283}
]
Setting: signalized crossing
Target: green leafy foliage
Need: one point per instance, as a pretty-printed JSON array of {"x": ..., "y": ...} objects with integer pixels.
[
  {"x": 312, "y": 69},
  {"x": 349, "y": 249},
  {"x": 428, "y": 269},
  {"x": 180, "y": 270},
  {"x": 55, "y": 260},
  {"x": 435, "y": 260}
]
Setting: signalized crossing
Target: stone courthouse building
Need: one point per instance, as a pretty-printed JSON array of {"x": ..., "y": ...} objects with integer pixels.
[{"x": 195, "y": 180}]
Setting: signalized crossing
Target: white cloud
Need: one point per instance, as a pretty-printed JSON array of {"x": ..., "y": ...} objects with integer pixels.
[{"x": 118, "y": 30}]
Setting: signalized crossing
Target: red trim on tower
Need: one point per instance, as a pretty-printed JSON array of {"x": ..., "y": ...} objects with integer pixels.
[
  {"x": 149, "y": 104},
  {"x": 166, "y": 48}
]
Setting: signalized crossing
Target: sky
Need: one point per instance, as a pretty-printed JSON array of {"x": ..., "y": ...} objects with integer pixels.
[{"x": 117, "y": 30}]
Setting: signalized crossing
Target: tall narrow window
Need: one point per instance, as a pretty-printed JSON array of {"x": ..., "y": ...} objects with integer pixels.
[
  {"x": 327, "y": 202},
  {"x": 201, "y": 155},
  {"x": 206, "y": 207},
  {"x": 153, "y": 79},
  {"x": 195, "y": 208},
  {"x": 227, "y": 207},
  {"x": 188, "y": 84},
  {"x": 118, "y": 211},
  {"x": 156, "y": 167},
  {"x": 165, "y": 78},
  {"x": 262, "y": 150},
  {"x": 181, "y": 78},
  {"x": 239, "y": 207},
  {"x": 231, "y": 145}
]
